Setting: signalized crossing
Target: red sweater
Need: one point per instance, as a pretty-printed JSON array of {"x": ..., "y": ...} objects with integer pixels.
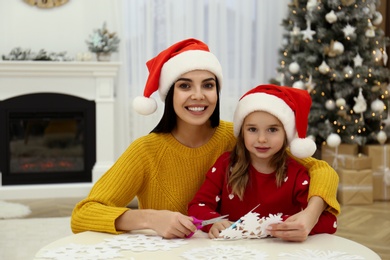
[{"x": 214, "y": 198}]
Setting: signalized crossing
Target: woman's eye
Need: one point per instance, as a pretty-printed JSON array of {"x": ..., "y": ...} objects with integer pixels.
[
  {"x": 209, "y": 85},
  {"x": 252, "y": 129},
  {"x": 184, "y": 86}
]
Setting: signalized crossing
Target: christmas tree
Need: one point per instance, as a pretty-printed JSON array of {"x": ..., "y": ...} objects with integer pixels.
[{"x": 335, "y": 50}]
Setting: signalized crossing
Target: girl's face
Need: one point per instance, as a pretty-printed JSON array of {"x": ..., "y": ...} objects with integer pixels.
[
  {"x": 264, "y": 136},
  {"x": 195, "y": 97}
]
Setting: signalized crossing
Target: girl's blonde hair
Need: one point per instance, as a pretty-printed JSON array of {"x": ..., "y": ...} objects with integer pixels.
[{"x": 238, "y": 170}]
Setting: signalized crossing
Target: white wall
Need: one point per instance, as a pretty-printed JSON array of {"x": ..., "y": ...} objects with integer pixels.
[{"x": 64, "y": 28}]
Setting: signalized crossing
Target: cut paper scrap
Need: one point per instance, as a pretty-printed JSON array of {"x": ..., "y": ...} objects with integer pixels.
[
  {"x": 224, "y": 253},
  {"x": 306, "y": 254},
  {"x": 251, "y": 226}
]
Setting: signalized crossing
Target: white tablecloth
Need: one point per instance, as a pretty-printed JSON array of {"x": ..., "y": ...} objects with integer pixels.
[{"x": 145, "y": 244}]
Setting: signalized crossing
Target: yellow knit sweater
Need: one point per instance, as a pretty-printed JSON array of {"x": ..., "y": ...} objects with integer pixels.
[{"x": 165, "y": 174}]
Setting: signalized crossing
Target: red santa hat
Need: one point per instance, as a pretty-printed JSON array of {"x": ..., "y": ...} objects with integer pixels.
[
  {"x": 290, "y": 105},
  {"x": 169, "y": 65}
]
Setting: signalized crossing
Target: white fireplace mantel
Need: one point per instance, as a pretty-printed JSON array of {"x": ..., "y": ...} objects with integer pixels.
[{"x": 89, "y": 80}]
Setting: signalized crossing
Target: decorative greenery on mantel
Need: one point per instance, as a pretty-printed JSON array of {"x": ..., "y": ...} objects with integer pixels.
[{"x": 19, "y": 54}]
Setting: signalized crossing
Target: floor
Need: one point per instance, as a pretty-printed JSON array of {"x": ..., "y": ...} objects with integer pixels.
[{"x": 365, "y": 224}]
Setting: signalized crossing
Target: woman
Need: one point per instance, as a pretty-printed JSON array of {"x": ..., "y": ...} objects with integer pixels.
[{"x": 165, "y": 168}]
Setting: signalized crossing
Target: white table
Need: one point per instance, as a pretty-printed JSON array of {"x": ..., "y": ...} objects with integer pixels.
[{"x": 315, "y": 247}]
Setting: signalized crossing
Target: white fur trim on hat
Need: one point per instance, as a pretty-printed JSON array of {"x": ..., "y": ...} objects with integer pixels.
[
  {"x": 185, "y": 62},
  {"x": 299, "y": 147},
  {"x": 268, "y": 103},
  {"x": 144, "y": 105}
]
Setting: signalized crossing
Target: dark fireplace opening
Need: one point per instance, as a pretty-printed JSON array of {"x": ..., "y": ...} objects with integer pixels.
[{"x": 47, "y": 138}]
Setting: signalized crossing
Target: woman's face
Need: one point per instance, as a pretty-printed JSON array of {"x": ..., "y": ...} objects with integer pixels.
[{"x": 195, "y": 97}]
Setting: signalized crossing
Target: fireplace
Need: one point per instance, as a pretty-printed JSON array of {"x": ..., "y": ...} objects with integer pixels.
[
  {"x": 49, "y": 138},
  {"x": 68, "y": 109}
]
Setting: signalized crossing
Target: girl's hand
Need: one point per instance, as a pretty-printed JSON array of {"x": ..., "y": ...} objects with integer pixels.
[
  {"x": 217, "y": 227},
  {"x": 295, "y": 228}
]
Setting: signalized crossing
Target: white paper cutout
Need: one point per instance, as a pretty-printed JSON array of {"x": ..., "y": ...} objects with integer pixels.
[
  {"x": 112, "y": 247},
  {"x": 251, "y": 226},
  {"x": 224, "y": 253},
  {"x": 306, "y": 254},
  {"x": 85, "y": 252},
  {"x": 139, "y": 243}
]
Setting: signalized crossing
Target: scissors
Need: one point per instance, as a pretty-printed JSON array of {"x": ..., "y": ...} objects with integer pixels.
[
  {"x": 240, "y": 220},
  {"x": 201, "y": 223}
]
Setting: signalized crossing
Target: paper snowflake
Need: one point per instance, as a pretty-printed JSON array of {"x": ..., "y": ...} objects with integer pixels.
[
  {"x": 224, "y": 253},
  {"x": 250, "y": 226},
  {"x": 139, "y": 243},
  {"x": 306, "y": 254}
]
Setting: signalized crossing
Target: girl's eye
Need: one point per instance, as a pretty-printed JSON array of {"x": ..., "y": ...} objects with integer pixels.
[
  {"x": 273, "y": 129},
  {"x": 252, "y": 129}
]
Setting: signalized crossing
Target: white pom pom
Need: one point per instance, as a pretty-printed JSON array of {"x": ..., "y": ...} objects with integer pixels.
[
  {"x": 302, "y": 147},
  {"x": 333, "y": 140},
  {"x": 144, "y": 105}
]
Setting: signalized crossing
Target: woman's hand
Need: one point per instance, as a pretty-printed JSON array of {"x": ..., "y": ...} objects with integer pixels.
[
  {"x": 165, "y": 223},
  {"x": 297, "y": 227},
  {"x": 217, "y": 227},
  {"x": 170, "y": 224}
]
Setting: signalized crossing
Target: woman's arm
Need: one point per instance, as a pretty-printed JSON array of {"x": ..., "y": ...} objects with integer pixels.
[{"x": 323, "y": 183}]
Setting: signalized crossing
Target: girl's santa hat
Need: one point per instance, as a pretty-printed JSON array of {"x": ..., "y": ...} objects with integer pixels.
[
  {"x": 167, "y": 67},
  {"x": 290, "y": 105}
]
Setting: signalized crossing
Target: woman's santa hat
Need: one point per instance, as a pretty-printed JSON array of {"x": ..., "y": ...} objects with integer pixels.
[
  {"x": 290, "y": 105},
  {"x": 167, "y": 67}
]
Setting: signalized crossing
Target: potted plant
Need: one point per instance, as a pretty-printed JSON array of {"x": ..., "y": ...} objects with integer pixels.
[{"x": 103, "y": 43}]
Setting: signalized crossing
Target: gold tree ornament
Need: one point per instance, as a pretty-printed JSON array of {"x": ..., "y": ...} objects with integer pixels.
[{"x": 46, "y": 3}]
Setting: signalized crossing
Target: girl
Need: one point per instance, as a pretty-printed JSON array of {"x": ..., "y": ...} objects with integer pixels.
[
  {"x": 165, "y": 168},
  {"x": 259, "y": 171}
]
